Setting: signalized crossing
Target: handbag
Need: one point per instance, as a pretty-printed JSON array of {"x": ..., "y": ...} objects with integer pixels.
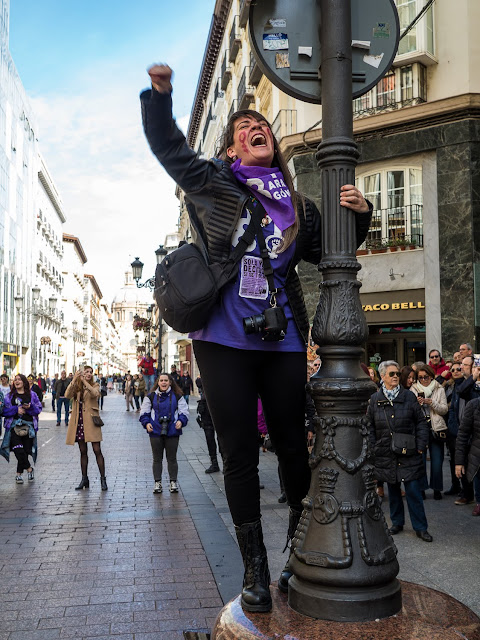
[
  {"x": 21, "y": 428},
  {"x": 187, "y": 284},
  {"x": 402, "y": 444},
  {"x": 97, "y": 421}
]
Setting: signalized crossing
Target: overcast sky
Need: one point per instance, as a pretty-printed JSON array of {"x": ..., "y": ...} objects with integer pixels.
[{"x": 83, "y": 65}]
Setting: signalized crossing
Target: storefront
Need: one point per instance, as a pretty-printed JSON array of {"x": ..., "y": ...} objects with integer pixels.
[
  {"x": 396, "y": 323},
  {"x": 9, "y": 358}
]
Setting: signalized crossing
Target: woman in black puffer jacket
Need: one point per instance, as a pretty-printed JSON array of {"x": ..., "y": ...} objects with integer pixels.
[
  {"x": 394, "y": 409},
  {"x": 467, "y": 450}
]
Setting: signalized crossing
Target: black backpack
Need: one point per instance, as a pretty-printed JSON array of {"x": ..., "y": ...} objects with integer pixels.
[{"x": 187, "y": 286}]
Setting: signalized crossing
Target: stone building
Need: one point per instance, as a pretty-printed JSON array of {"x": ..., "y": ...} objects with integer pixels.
[{"x": 418, "y": 133}]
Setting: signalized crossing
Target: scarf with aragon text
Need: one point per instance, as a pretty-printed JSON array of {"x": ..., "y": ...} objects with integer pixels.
[{"x": 268, "y": 185}]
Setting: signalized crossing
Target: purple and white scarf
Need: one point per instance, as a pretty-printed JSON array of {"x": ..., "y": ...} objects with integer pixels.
[{"x": 269, "y": 187}]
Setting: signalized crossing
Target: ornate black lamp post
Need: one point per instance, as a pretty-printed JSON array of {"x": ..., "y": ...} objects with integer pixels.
[{"x": 137, "y": 270}]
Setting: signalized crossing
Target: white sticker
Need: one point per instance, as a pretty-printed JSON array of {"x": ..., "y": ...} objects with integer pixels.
[
  {"x": 275, "y": 41},
  {"x": 373, "y": 61},
  {"x": 276, "y": 23},
  {"x": 361, "y": 44},
  {"x": 253, "y": 283},
  {"x": 305, "y": 51}
]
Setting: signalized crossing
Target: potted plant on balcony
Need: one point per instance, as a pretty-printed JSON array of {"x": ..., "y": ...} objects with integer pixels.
[
  {"x": 363, "y": 251},
  {"x": 377, "y": 246}
]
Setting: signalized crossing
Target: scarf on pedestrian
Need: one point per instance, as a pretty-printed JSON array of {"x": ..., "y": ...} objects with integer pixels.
[
  {"x": 268, "y": 185},
  {"x": 390, "y": 394},
  {"x": 426, "y": 390}
]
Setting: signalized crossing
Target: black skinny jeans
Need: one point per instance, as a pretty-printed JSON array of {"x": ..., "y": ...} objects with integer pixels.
[{"x": 233, "y": 379}]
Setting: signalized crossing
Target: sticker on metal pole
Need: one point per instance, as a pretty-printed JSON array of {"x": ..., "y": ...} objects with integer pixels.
[{"x": 285, "y": 38}]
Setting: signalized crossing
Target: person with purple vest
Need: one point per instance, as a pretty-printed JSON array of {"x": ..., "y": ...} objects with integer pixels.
[
  {"x": 163, "y": 414},
  {"x": 258, "y": 329}
]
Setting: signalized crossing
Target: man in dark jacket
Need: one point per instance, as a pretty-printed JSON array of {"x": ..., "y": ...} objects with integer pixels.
[
  {"x": 185, "y": 383},
  {"x": 469, "y": 389},
  {"x": 60, "y": 388},
  {"x": 174, "y": 373},
  {"x": 467, "y": 452},
  {"x": 395, "y": 410}
]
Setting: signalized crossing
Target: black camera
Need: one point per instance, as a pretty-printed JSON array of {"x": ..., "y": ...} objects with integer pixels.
[
  {"x": 164, "y": 420},
  {"x": 272, "y": 322}
]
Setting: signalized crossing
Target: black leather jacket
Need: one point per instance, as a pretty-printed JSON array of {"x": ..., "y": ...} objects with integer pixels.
[{"x": 215, "y": 199}]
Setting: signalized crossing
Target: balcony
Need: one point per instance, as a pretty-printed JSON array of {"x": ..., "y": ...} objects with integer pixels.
[
  {"x": 395, "y": 228},
  {"x": 255, "y": 71},
  {"x": 285, "y": 124},
  {"x": 244, "y": 10},
  {"x": 245, "y": 92},
  {"x": 235, "y": 41},
  {"x": 226, "y": 72},
  {"x": 401, "y": 87},
  {"x": 218, "y": 93}
]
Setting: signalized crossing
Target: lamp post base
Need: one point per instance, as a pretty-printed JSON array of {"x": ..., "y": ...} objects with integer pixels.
[{"x": 426, "y": 615}]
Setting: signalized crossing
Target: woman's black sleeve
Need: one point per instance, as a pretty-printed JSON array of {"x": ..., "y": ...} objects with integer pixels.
[{"x": 169, "y": 145}]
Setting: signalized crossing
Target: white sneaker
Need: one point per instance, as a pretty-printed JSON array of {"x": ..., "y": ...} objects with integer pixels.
[
  {"x": 31, "y": 475},
  {"x": 158, "y": 487},
  {"x": 173, "y": 487},
  {"x": 19, "y": 480}
]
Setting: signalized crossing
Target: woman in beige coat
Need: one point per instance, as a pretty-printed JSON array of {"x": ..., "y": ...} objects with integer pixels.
[
  {"x": 85, "y": 393},
  {"x": 432, "y": 399}
]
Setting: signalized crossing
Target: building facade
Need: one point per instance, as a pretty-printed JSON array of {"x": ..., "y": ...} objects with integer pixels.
[
  {"x": 418, "y": 133},
  {"x": 31, "y": 219},
  {"x": 131, "y": 301}
]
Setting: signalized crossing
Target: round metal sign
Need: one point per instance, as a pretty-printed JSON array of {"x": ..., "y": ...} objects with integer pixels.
[{"x": 285, "y": 37}]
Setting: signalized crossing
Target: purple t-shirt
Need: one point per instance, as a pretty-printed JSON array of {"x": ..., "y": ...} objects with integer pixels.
[{"x": 248, "y": 296}]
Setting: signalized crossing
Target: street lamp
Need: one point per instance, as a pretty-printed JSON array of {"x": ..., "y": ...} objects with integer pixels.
[
  {"x": 137, "y": 270},
  {"x": 74, "y": 326},
  {"x": 36, "y": 312}
]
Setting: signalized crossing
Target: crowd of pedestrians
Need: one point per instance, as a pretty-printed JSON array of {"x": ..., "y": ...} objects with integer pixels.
[{"x": 434, "y": 409}]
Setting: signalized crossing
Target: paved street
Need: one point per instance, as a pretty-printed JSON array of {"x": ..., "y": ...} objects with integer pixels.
[{"x": 136, "y": 566}]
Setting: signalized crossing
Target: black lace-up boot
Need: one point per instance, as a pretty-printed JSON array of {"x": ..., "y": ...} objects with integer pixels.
[
  {"x": 256, "y": 580},
  {"x": 293, "y": 518}
]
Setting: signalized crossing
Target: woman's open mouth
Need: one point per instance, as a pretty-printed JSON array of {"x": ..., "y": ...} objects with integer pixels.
[{"x": 258, "y": 140}]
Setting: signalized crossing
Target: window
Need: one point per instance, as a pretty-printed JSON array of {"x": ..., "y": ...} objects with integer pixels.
[
  {"x": 419, "y": 42},
  {"x": 401, "y": 87},
  {"x": 396, "y": 195}
]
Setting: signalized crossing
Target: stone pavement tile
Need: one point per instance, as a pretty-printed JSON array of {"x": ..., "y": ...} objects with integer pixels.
[
  {"x": 55, "y": 623},
  {"x": 40, "y": 634},
  {"x": 86, "y": 631}
]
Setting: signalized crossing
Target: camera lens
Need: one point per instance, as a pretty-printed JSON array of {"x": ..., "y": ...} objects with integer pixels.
[{"x": 253, "y": 324}]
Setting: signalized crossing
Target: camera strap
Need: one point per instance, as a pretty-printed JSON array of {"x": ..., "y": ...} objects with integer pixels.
[{"x": 257, "y": 214}]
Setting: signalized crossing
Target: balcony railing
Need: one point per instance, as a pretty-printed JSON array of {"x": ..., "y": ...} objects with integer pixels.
[
  {"x": 285, "y": 123},
  {"x": 395, "y": 227},
  {"x": 234, "y": 40},
  {"x": 233, "y": 108},
  {"x": 226, "y": 72},
  {"x": 210, "y": 117},
  {"x": 401, "y": 87},
  {"x": 218, "y": 93},
  {"x": 245, "y": 91},
  {"x": 255, "y": 71}
]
